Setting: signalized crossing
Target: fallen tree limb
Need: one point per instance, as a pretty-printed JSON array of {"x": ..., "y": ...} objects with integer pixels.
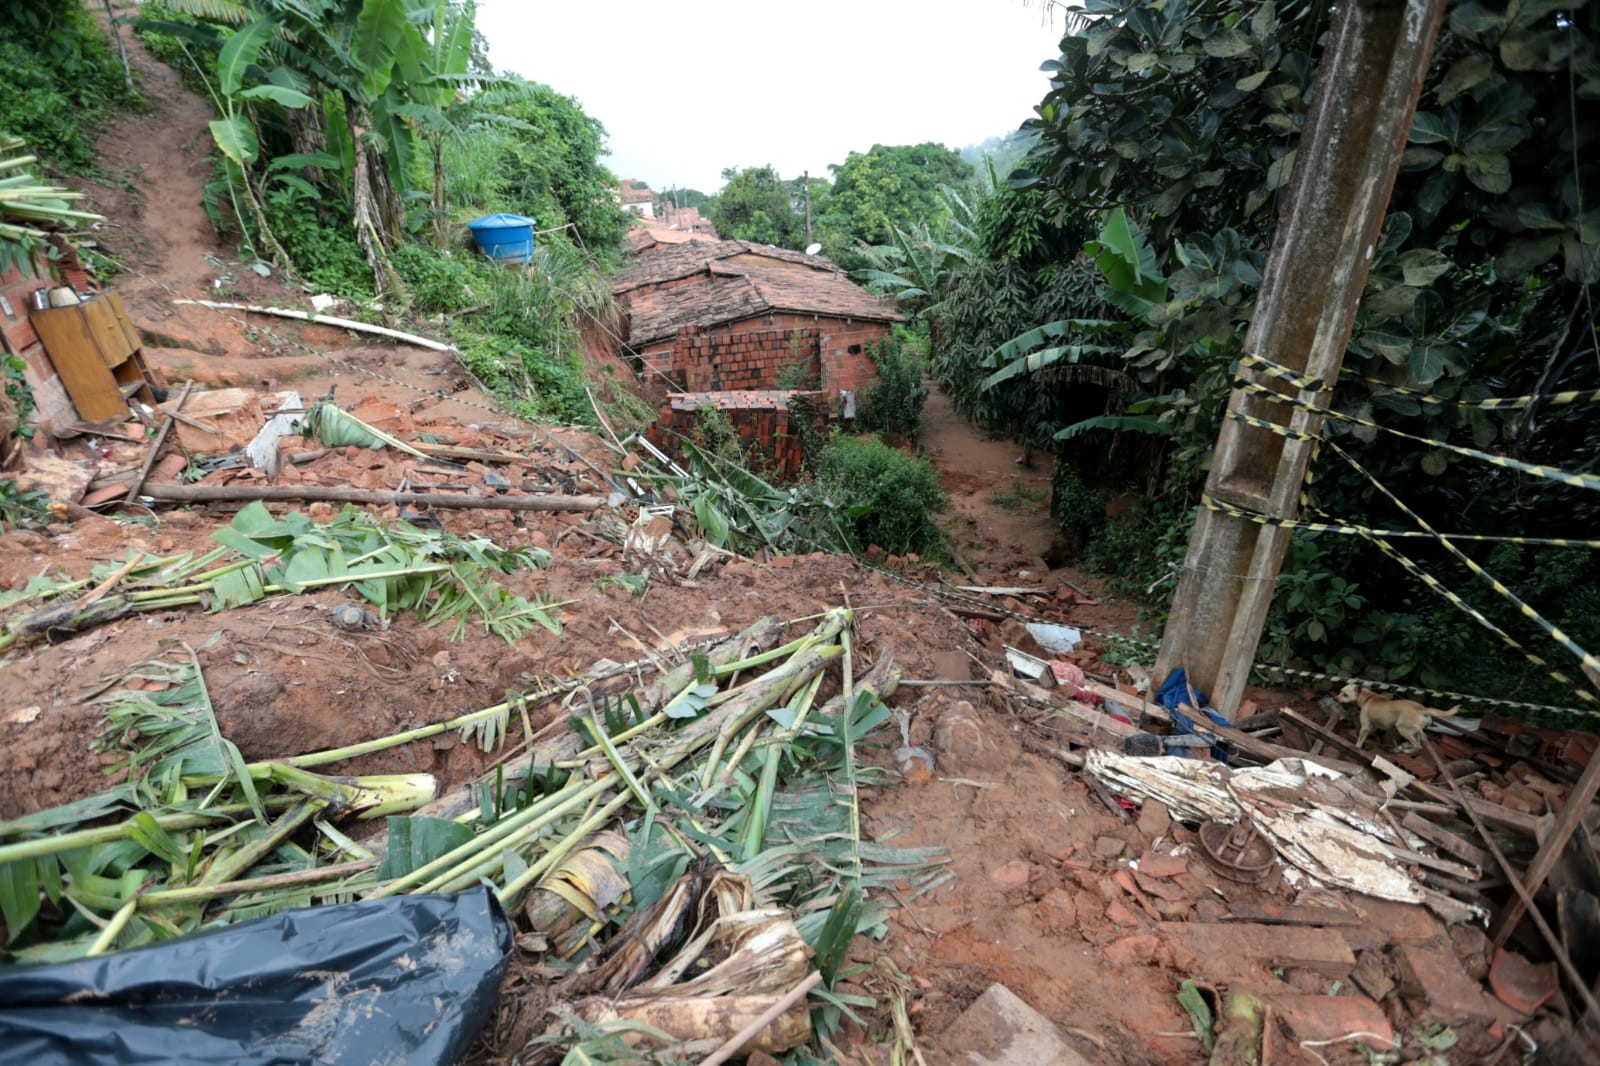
[
  {"x": 337, "y": 494},
  {"x": 155, "y": 447},
  {"x": 323, "y": 320}
]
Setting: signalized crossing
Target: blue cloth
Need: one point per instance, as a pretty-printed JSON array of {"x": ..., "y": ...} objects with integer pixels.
[{"x": 1174, "y": 691}]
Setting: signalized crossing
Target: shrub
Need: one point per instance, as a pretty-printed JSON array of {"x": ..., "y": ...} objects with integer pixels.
[
  {"x": 894, "y": 402},
  {"x": 57, "y": 77},
  {"x": 901, "y": 494},
  {"x": 320, "y": 242},
  {"x": 441, "y": 283},
  {"x": 535, "y": 382},
  {"x": 1079, "y": 510}
]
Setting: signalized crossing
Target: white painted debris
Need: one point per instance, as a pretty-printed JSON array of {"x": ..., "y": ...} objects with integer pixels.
[
  {"x": 1058, "y": 640},
  {"x": 1317, "y": 820}
]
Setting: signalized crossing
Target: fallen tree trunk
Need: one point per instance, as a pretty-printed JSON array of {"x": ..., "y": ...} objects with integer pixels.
[{"x": 336, "y": 494}]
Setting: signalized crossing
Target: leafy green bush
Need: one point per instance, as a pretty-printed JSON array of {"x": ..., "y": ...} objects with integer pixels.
[
  {"x": 894, "y": 402},
  {"x": 320, "y": 243},
  {"x": 901, "y": 494},
  {"x": 58, "y": 76},
  {"x": 1079, "y": 510},
  {"x": 441, "y": 282},
  {"x": 535, "y": 382}
]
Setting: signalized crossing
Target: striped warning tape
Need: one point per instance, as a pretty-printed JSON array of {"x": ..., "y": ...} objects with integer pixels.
[
  {"x": 1211, "y": 503},
  {"x": 1494, "y": 403},
  {"x": 1582, "y": 481},
  {"x": 1262, "y": 669},
  {"x": 1283, "y": 373},
  {"x": 1416, "y": 571},
  {"x": 1554, "y": 632}
]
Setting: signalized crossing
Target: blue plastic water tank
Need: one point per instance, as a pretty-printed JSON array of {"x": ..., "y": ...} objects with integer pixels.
[{"x": 504, "y": 238}]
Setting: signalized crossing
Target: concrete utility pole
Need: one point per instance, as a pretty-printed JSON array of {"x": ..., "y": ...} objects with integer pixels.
[
  {"x": 1366, "y": 95},
  {"x": 806, "y": 178}
]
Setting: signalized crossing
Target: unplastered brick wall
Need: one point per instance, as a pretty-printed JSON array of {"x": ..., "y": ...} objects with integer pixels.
[
  {"x": 846, "y": 362},
  {"x": 725, "y": 359},
  {"x": 841, "y": 346},
  {"x": 17, "y": 336},
  {"x": 761, "y": 417}
]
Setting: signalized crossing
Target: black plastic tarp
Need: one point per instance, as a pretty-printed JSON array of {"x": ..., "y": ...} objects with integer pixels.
[{"x": 408, "y": 979}]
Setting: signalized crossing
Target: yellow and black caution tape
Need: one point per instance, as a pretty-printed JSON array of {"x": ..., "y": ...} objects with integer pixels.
[
  {"x": 1493, "y": 403},
  {"x": 1412, "y": 567},
  {"x": 1582, "y": 481},
  {"x": 1435, "y": 695},
  {"x": 1305, "y": 382},
  {"x": 1554, "y": 632},
  {"x": 1262, "y": 423},
  {"x": 1212, "y": 504}
]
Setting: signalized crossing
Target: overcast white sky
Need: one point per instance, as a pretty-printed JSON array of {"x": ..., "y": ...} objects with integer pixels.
[{"x": 688, "y": 87}]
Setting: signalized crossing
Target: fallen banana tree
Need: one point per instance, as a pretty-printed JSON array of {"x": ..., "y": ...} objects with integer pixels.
[
  {"x": 689, "y": 848},
  {"x": 393, "y": 566}
]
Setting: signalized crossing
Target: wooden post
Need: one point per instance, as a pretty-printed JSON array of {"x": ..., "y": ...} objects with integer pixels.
[{"x": 1366, "y": 95}]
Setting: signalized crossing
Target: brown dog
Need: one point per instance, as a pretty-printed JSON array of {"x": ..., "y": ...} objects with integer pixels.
[{"x": 1406, "y": 717}]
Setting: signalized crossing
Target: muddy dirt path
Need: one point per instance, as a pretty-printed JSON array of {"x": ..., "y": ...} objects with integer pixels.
[{"x": 1002, "y": 508}]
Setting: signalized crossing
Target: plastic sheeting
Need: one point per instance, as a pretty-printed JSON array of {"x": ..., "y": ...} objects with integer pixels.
[{"x": 409, "y": 979}]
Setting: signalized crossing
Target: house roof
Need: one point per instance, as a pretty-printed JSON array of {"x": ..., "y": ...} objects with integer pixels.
[
  {"x": 635, "y": 191},
  {"x": 709, "y": 283},
  {"x": 656, "y": 265}
]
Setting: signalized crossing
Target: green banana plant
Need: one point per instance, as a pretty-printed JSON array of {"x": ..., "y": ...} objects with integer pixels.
[{"x": 27, "y": 204}]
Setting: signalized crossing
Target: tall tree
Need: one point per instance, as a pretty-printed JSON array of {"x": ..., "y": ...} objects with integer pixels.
[
  {"x": 552, "y": 170},
  {"x": 887, "y": 187},
  {"x": 756, "y": 204}
]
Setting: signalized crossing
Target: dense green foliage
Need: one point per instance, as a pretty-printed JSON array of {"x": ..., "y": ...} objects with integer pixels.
[
  {"x": 1185, "y": 116},
  {"x": 755, "y": 204},
  {"x": 882, "y": 189},
  {"x": 690, "y": 198},
  {"x": 893, "y": 403},
  {"x": 899, "y": 495},
  {"x": 58, "y": 75},
  {"x": 872, "y": 195},
  {"x": 551, "y": 170}
]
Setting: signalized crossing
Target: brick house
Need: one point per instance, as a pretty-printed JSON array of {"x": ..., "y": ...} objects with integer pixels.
[
  {"x": 729, "y": 323},
  {"x": 713, "y": 315}
]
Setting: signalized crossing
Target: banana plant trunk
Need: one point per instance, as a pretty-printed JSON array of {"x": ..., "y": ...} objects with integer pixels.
[{"x": 370, "y": 217}]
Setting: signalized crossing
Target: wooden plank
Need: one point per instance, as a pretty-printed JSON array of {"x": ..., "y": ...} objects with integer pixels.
[
  {"x": 1266, "y": 751},
  {"x": 120, "y": 311},
  {"x": 1306, "y": 947},
  {"x": 1550, "y": 849},
  {"x": 105, "y": 329},
  {"x": 1141, "y": 707},
  {"x": 76, "y": 356},
  {"x": 1290, "y": 914},
  {"x": 1445, "y": 840}
]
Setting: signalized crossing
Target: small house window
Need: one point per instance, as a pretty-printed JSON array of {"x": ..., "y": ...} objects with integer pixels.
[{"x": 854, "y": 349}]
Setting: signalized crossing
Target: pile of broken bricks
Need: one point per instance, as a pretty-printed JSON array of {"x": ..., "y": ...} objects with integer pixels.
[{"x": 1451, "y": 840}]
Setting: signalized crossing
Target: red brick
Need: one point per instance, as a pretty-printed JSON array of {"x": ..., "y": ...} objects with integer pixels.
[{"x": 18, "y": 336}]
